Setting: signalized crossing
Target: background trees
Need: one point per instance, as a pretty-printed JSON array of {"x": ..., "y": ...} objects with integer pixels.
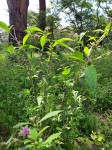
[
  {"x": 42, "y": 14},
  {"x": 17, "y": 19},
  {"x": 71, "y": 81},
  {"x": 86, "y": 15}
]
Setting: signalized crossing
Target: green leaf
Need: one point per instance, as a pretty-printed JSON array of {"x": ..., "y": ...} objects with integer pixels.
[
  {"x": 91, "y": 78},
  {"x": 11, "y": 49},
  {"x": 98, "y": 30},
  {"x": 49, "y": 115},
  {"x": 76, "y": 55},
  {"x": 9, "y": 142},
  {"x": 100, "y": 137},
  {"x": 21, "y": 124},
  {"x": 34, "y": 29},
  {"x": 82, "y": 35},
  {"x": 71, "y": 49},
  {"x": 33, "y": 134},
  {"x": 57, "y": 42},
  {"x": 52, "y": 137},
  {"x": 28, "y": 46},
  {"x": 63, "y": 44},
  {"x": 4, "y": 26},
  {"x": 26, "y": 92},
  {"x": 39, "y": 100},
  {"x": 43, "y": 41},
  {"x": 92, "y": 38},
  {"x": 66, "y": 72},
  {"x": 60, "y": 42},
  {"x": 94, "y": 136},
  {"x": 107, "y": 29},
  {"x": 27, "y": 141},
  {"x": 29, "y": 147},
  {"x": 87, "y": 51},
  {"x": 25, "y": 39},
  {"x": 106, "y": 32},
  {"x": 41, "y": 131},
  {"x": 64, "y": 39}
]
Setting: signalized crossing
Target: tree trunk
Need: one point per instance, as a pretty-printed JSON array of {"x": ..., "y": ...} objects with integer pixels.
[
  {"x": 42, "y": 14},
  {"x": 17, "y": 19}
]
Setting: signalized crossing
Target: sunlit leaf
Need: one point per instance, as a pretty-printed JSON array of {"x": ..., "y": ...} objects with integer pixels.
[
  {"x": 39, "y": 100},
  {"x": 4, "y": 26},
  {"x": 76, "y": 56},
  {"x": 94, "y": 136},
  {"x": 60, "y": 42},
  {"x": 33, "y": 134},
  {"x": 30, "y": 46},
  {"x": 11, "y": 49},
  {"x": 92, "y": 38},
  {"x": 82, "y": 35},
  {"x": 43, "y": 41},
  {"x": 71, "y": 49},
  {"x": 21, "y": 124},
  {"x": 91, "y": 78},
  {"x": 107, "y": 29},
  {"x": 49, "y": 115},
  {"x": 26, "y": 92},
  {"x": 66, "y": 72},
  {"x": 34, "y": 29},
  {"x": 100, "y": 137},
  {"x": 41, "y": 131},
  {"x": 106, "y": 32},
  {"x": 52, "y": 137},
  {"x": 25, "y": 39},
  {"x": 65, "y": 39},
  {"x": 87, "y": 51},
  {"x": 98, "y": 30}
]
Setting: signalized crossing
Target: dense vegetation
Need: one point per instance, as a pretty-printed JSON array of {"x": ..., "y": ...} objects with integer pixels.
[{"x": 56, "y": 85}]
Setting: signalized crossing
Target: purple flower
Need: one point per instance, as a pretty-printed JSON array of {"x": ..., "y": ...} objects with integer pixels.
[
  {"x": 36, "y": 35},
  {"x": 25, "y": 131}
]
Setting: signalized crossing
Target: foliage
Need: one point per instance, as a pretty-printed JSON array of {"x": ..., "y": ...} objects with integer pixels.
[
  {"x": 85, "y": 15},
  {"x": 104, "y": 94},
  {"x": 32, "y": 137},
  {"x": 42, "y": 80}
]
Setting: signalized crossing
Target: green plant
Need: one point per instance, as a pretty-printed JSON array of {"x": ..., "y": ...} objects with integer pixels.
[
  {"x": 37, "y": 82},
  {"x": 31, "y": 136},
  {"x": 104, "y": 88}
]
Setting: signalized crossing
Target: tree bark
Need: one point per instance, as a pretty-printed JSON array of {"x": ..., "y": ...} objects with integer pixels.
[
  {"x": 17, "y": 19},
  {"x": 42, "y": 14}
]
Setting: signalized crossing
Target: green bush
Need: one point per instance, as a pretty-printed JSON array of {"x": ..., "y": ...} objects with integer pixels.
[
  {"x": 104, "y": 88},
  {"x": 36, "y": 83}
]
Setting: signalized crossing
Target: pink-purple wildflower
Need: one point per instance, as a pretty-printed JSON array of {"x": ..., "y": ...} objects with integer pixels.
[
  {"x": 25, "y": 131},
  {"x": 36, "y": 35}
]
